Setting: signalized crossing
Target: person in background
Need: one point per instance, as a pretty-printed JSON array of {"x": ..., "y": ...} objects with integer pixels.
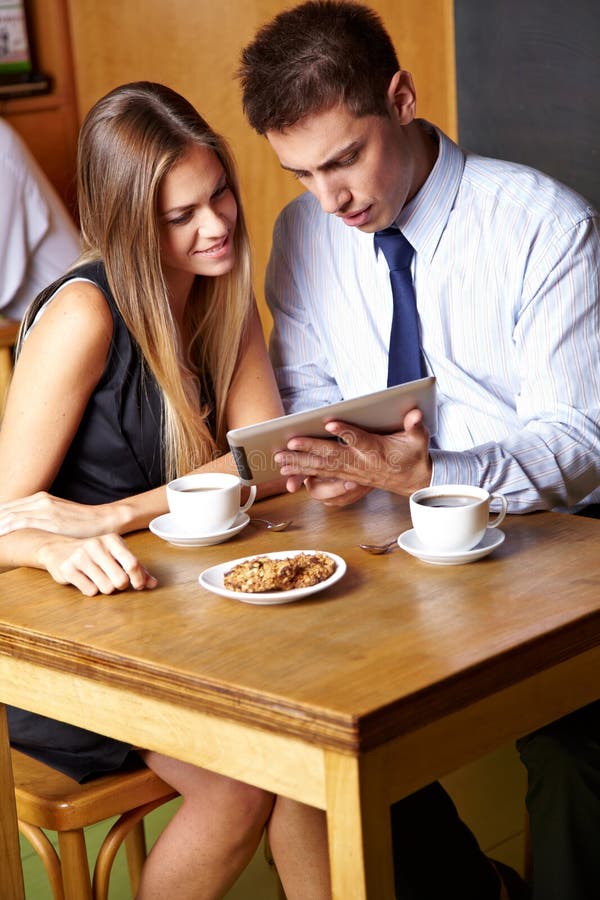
[
  {"x": 38, "y": 239},
  {"x": 501, "y": 271},
  {"x": 130, "y": 369}
]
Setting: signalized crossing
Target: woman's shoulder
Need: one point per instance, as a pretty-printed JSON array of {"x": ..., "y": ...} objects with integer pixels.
[
  {"x": 78, "y": 318},
  {"x": 81, "y": 293},
  {"x": 92, "y": 273},
  {"x": 71, "y": 338}
]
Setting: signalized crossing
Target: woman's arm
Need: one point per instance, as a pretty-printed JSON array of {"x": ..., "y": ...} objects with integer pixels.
[
  {"x": 253, "y": 396},
  {"x": 60, "y": 364}
]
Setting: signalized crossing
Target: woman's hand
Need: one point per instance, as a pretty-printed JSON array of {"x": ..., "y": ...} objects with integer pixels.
[
  {"x": 334, "y": 491},
  {"x": 44, "y": 512},
  {"x": 330, "y": 491},
  {"x": 98, "y": 565},
  {"x": 333, "y": 471}
]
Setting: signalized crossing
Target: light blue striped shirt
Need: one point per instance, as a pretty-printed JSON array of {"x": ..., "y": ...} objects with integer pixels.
[{"x": 507, "y": 279}]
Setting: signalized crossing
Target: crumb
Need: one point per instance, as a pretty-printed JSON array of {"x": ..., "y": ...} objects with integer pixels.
[{"x": 262, "y": 574}]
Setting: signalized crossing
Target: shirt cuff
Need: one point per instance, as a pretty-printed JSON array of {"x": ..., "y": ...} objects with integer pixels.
[{"x": 454, "y": 467}]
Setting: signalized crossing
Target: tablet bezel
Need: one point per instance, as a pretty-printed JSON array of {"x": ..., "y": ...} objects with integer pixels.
[{"x": 253, "y": 446}]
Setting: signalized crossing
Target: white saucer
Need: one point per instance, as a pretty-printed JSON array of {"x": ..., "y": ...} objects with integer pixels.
[
  {"x": 168, "y": 528},
  {"x": 212, "y": 580},
  {"x": 492, "y": 538}
]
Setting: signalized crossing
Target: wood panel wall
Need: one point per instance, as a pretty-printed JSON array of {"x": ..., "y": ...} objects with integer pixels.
[{"x": 194, "y": 46}]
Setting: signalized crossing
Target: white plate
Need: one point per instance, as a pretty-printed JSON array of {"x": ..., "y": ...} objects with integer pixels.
[
  {"x": 212, "y": 580},
  {"x": 491, "y": 539},
  {"x": 168, "y": 528}
]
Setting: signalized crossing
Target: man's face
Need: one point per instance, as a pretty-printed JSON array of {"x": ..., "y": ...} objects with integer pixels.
[{"x": 362, "y": 169}]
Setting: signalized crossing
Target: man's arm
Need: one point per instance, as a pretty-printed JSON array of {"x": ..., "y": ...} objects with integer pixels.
[{"x": 553, "y": 458}]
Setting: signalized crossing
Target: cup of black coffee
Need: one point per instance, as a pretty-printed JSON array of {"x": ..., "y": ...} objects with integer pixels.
[
  {"x": 207, "y": 502},
  {"x": 452, "y": 518}
]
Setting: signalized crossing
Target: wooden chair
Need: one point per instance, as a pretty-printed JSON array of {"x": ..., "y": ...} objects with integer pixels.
[
  {"x": 9, "y": 329},
  {"x": 46, "y": 799}
]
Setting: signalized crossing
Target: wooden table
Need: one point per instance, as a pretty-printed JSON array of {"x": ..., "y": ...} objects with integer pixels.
[{"x": 348, "y": 701}]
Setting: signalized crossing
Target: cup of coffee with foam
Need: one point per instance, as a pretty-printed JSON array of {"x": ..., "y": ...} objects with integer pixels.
[
  {"x": 207, "y": 502},
  {"x": 451, "y": 518}
]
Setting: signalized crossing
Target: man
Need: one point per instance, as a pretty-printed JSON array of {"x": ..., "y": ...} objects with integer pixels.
[
  {"x": 38, "y": 239},
  {"x": 506, "y": 277}
]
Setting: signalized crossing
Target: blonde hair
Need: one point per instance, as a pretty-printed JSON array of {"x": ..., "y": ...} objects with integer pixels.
[{"x": 129, "y": 140}]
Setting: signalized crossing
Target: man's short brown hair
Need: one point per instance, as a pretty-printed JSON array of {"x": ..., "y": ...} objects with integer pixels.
[{"x": 313, "y": 57}]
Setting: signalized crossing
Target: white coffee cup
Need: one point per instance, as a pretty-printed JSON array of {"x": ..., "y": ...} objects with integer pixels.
[
  {"x": 207, "y": 503},
  {"x": 449, "y": 518}
]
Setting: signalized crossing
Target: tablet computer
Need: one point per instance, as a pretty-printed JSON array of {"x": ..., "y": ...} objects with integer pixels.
[{"x": 253, "y": 446}]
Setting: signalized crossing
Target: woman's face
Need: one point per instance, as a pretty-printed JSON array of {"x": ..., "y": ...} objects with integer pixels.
[{"x": 197, "y": 213}]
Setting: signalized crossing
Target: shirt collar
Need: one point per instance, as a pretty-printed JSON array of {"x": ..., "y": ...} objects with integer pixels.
[{"x": 424, "y": 218}]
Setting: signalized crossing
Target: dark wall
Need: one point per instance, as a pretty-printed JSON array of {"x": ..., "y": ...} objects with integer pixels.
[{"x": 528, "y": 79}]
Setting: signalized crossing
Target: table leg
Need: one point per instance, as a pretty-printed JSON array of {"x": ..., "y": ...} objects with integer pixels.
[
  {"x": 359, "y": 831},
  {"x": 11, "y": 873}
]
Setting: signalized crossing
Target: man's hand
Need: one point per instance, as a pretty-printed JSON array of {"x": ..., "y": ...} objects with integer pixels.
[
  {"x": 330, "y": 491},
  {"x": 339, "y": 472}
]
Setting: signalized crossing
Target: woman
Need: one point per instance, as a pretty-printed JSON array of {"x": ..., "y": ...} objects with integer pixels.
[{"x": 130, "y": 370}]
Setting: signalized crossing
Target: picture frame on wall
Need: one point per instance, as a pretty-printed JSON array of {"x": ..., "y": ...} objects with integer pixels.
[{"x": 19, "y": 73}]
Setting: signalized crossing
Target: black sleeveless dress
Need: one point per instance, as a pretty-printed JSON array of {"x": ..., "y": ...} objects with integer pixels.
[{"x": 115, "y": 453}]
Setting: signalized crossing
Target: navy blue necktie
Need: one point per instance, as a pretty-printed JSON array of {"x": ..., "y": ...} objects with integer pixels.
[{"x": 405, "y": 360}]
